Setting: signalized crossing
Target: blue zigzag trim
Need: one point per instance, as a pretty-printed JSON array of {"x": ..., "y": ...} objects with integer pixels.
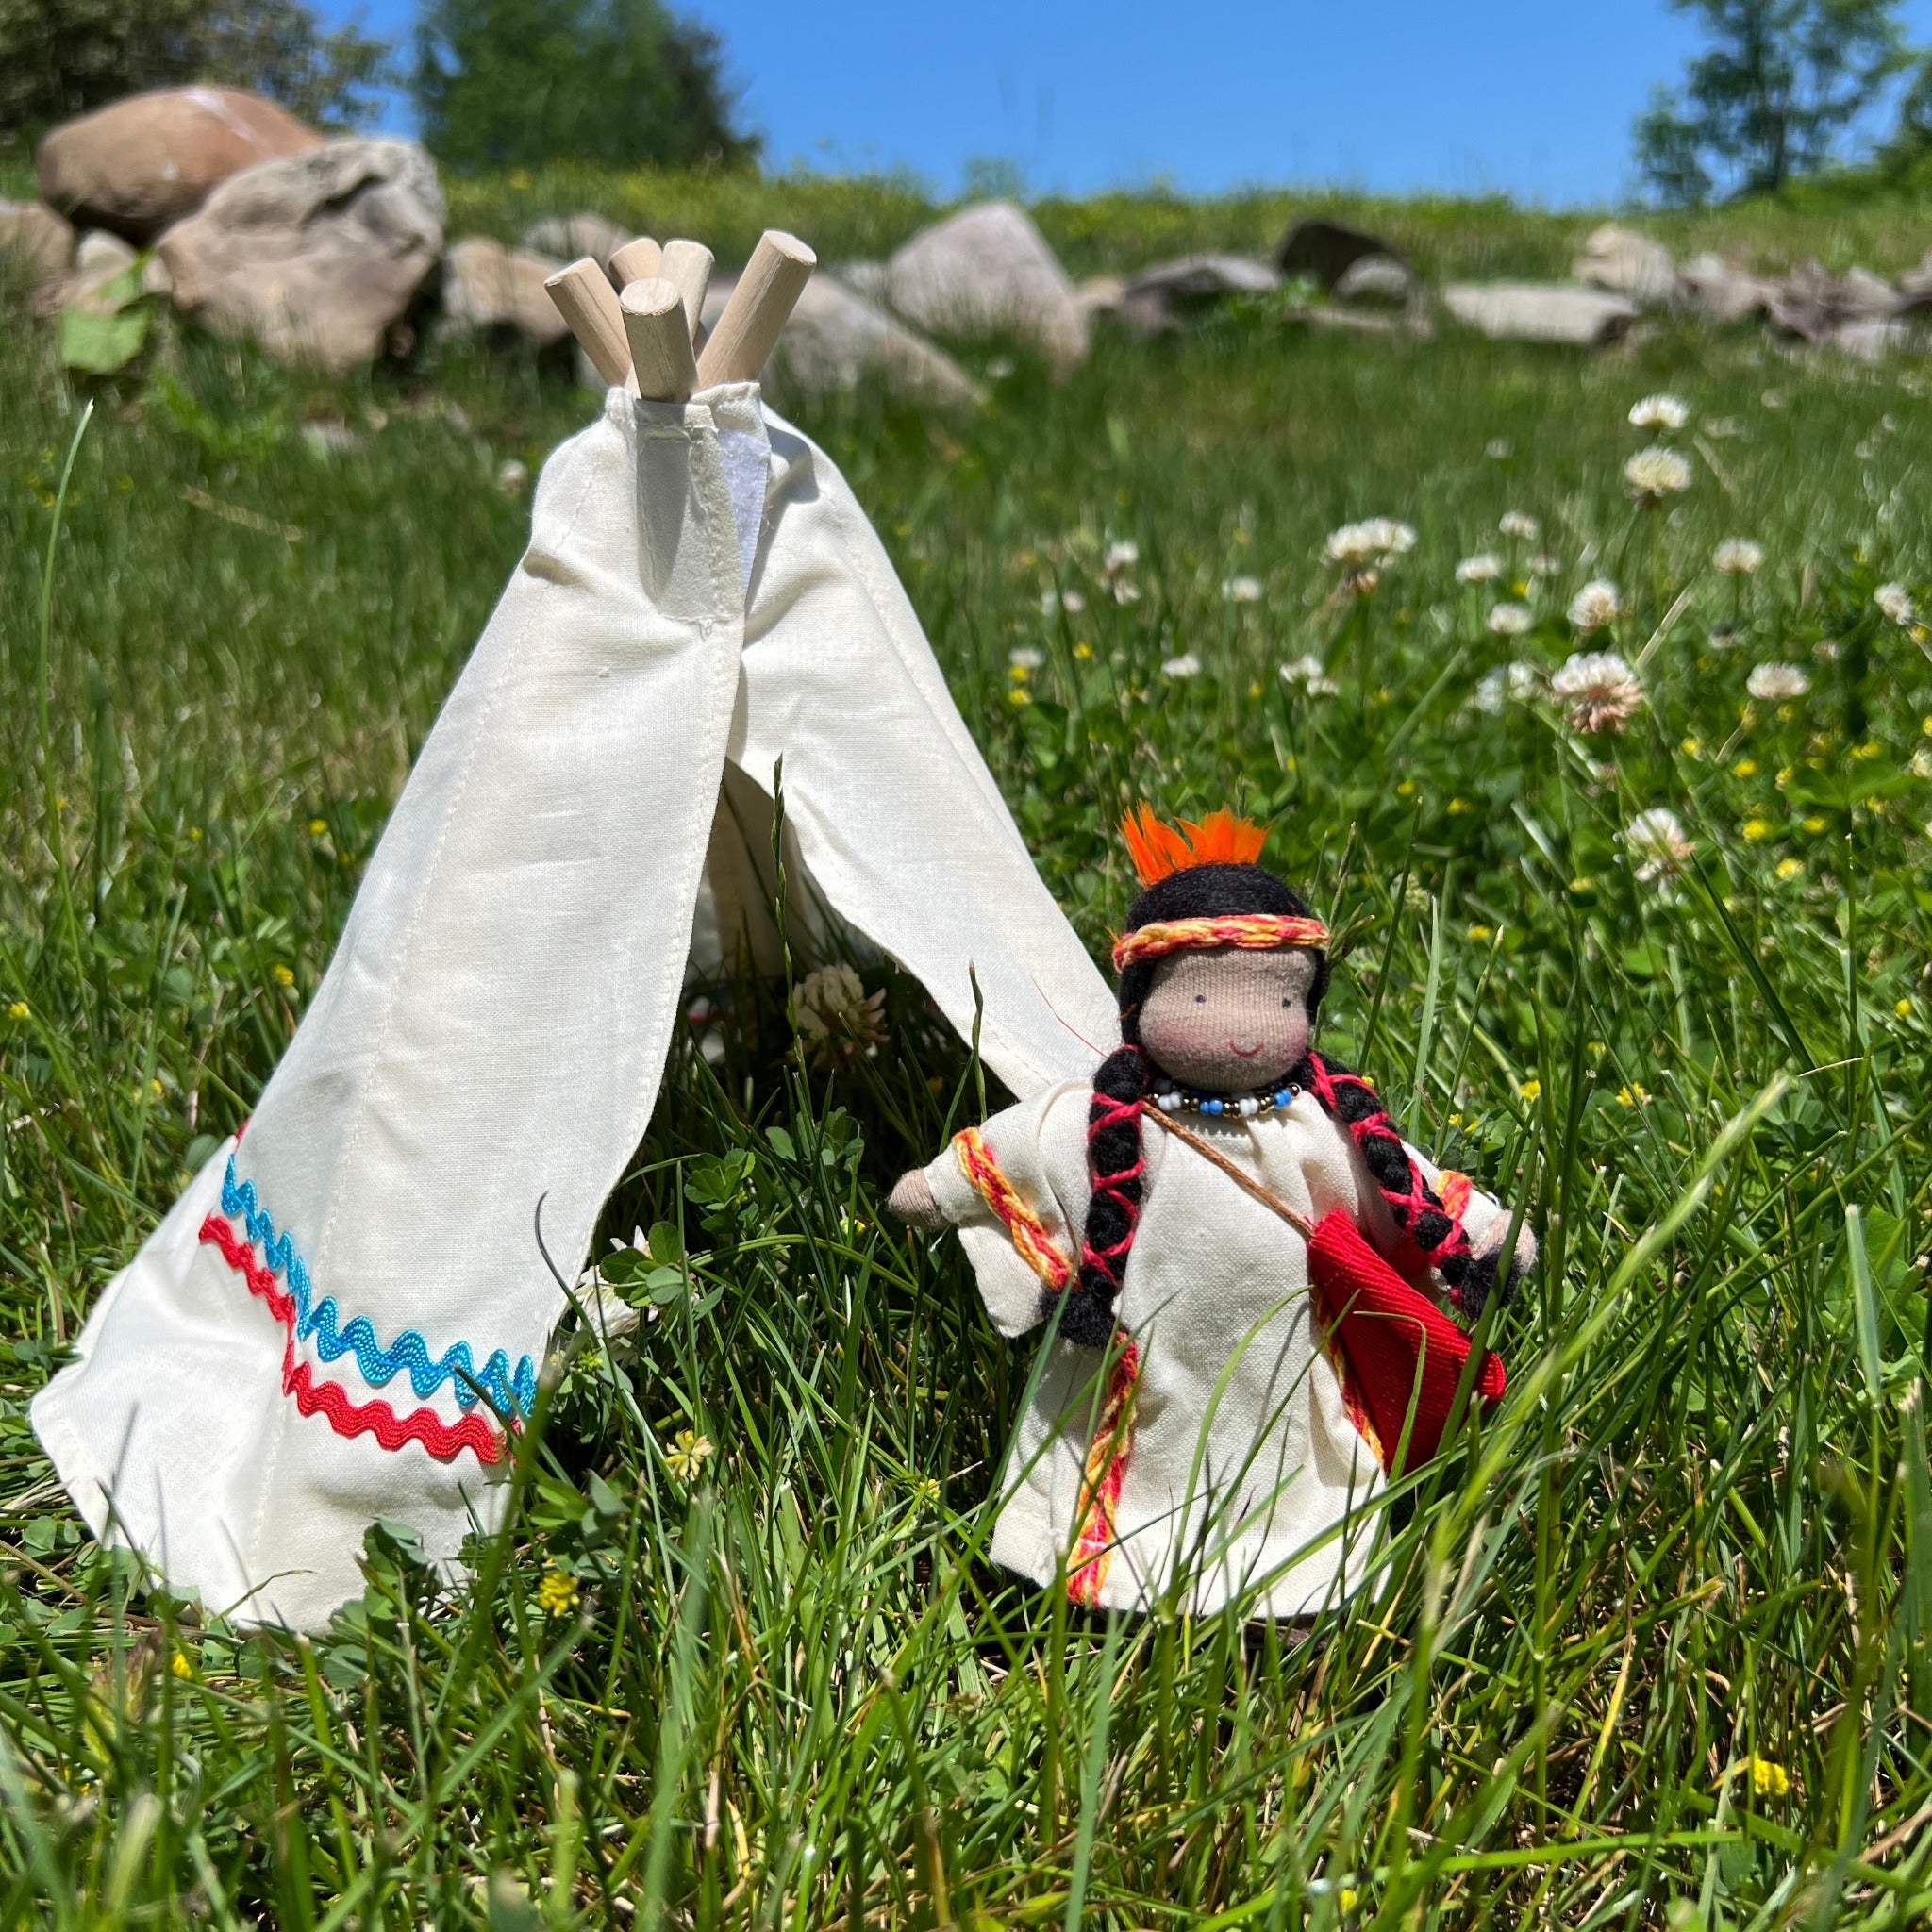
[{"x": 508, "y": 1389}]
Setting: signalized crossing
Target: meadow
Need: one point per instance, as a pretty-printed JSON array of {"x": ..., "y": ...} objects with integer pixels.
[{"x": 1653, "y": 1650}]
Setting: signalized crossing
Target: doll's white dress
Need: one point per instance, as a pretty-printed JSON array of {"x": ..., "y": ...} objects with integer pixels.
[{"x": 1233, "y": 1466}]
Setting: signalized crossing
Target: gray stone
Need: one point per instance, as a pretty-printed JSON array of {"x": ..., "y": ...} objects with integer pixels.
[
  {"x": 836, "y": 340},
  {"x": 867, "y": 278},
  {"x": 487, "y": 287},
  {"x": 1875, "y": 337},
  {"x": 1815, "y": 305},
  {"x": 1915, "y": 285},
  {"x": 100, "y": 259},
  {"x": 144, "y": 162},
  {"x": 1161, "y": 297},
  {"x": 1711, "y": 290},
  {"x": 316, "y": 257},
  {"x": 570, "y": 237},
  {"x": 1627, "y": 263},
  {"x": 1324, "y": 251},
  {"x": 988, "y": 271},
  {"x": 1540, "y": 311},
  {"x": 1375, "y": 278},
  {"x": 36, "y": 245}
]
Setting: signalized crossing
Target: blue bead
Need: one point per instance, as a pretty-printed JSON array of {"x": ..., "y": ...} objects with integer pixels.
[{"x": 1210, "y": 1107}]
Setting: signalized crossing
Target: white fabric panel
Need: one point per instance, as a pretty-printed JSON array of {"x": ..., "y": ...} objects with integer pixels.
[
  {"x": 491, "y": 1033},
  {"x": 900, "y": 824}
]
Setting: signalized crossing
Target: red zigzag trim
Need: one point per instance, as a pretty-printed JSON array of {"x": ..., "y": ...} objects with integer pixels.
[{"x": 330, "y": 1400}]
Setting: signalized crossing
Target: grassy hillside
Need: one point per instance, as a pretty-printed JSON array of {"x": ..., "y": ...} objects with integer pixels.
[{"x": 1652, "y": 1649}]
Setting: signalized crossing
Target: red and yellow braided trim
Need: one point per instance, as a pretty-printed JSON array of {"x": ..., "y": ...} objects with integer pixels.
[
  {"x": 1031, "y": 1241},
  {"x": 1107, "y": 1471},
  {"x": 1254, "y": 931}
]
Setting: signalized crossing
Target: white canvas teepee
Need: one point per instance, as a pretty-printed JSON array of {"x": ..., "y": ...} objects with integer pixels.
[{"x": 334, "y": 1320}]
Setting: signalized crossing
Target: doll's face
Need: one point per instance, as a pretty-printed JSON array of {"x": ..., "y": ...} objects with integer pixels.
[{"x": 1229, "y": 1018}]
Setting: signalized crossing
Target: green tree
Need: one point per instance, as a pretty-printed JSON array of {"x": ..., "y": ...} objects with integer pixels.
[
  {"x": 62, "y": 57},
  {"x": 1771, "y": 98},
  {"x": 516, "y": 83}
]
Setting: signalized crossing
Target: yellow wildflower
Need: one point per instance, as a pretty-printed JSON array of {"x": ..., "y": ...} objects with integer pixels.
[
  {"x": 558, "y": 1592},
  {"x": 1531, "y": 1090},
  {"x": 1019, "y": 673},
  {"x": 1692, "y": 747},
  {"x": 1633, "y": 1095},
  {"x": 1904, "y": 1009},
  {"x": 1815, "y": 825},
  {"x": 1458, "y": 807},
  {"x": 1769, "y": 1779},
  {"x": 181, "y": 1666},
  {"x": 686, "y": 1454},
  {"x": 20, "y": 1011},
  {"x": 1479, "y": 932},
  {"x": 1020, "y": 695},
  {"x": 1756, "y": 829},
  {"x": 1083, "y": 652},
  {"x": 194, "y": 834},
  {"x": 281, "y": 974},
  {"x": 1349, "y": 1898},
  {"x": 1870, "y": 749},
  {"x": 1745, "y": 768},
  {"x": 317, "y": 827},
  {"x": 1406, "y": 788},
  {"x": 1789, "y": 868}
]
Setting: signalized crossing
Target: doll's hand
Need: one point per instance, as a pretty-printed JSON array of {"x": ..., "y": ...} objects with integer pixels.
[{"x": 913, "y": 1200}]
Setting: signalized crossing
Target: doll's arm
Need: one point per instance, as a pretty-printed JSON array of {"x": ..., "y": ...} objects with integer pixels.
[
  {"x": 1485, "y": 1219},
  {"x": 999, "y": 1186}
]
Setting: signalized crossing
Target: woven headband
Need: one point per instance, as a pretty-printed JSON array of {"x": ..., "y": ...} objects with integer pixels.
[{"x": 1253, "y": 931}]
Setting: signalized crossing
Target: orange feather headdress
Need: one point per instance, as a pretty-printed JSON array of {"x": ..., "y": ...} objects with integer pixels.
[{"x": 1159, "y": 850}]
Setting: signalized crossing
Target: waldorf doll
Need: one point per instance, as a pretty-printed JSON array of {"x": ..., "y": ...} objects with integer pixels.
[{"x": 1229, "y": 1238}]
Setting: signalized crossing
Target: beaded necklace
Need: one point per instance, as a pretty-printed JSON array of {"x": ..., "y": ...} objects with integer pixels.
[{"x": 1170, "y": 1096}]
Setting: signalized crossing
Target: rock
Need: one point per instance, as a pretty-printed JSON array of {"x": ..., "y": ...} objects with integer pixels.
[
  {"x": 1375, "y": 278},
  {"x": 988, "y": 271},
  {"x": 835, "y": 340},
  {"x": 867, "y": 278},
  {"x": 1162, "y": 297},
  {"x": 1540, "y": 311},
  {"x": 487, "y": 286},
  {"x": 141, "y": 164},
  {"x": 315, "y": 255},
  {"x": 1915, "y": 285},
  {"x": 1627, "y": 263},
  {"x": 1714, "y": 291},
  {"x": 1326, "y": 251},
  {"x": 1872, "y": 339},
  {"x": 1815, "y": 305},
  {"x": 570, "y": 237},
  {"x": 36, "y": 244},
  {"x": 100, "y": 259}
]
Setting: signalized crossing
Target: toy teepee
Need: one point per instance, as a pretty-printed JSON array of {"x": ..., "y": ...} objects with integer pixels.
[{"x": 343, "y": 1316}]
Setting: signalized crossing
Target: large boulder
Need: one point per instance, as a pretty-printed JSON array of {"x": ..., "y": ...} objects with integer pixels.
[
  {"x": 36, "y": 245},
  {"x": 315, "y": 257},
  {"x": 1813, "y": 305},
  {"x": 141, "y": 164},
  {"x": 836, "y": 340},
  {"x": 570, "y": 237},
  {"x": 1540, "y": 313},
  {"x": 1375, "y": 278},
  {"x": 1627, "y": 263},
  {"x": 1915, "y": 285},
  {"x": 988, "y": 271},
  {"x": 487, "y": 287},
  {"x": 1324, "y": 251},
  {"x": 1163, "y": 297},
  {"x": 1714, "y": 291}
]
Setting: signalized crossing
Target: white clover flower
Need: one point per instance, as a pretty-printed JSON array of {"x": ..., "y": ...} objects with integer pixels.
[
  {"x": 1306, "y": 674},
  {"x": 1895, "y": 602},
  {"x": 1241, "y": 590},
  {"x": 1774, "y": 683},
  {"x": 1659, "y": 413},
  {"x": 1025, "y": 658},
  {"x": 1596, "y": 606},
  {"x": 1737, "y": 557},
  {"x": 1507, "y": 683},
  {"x": 1186, "y": 665},
  {"x": 834, "y": 1020},
  {"x": 1511, "y": 620},
  {"x": 1120, "y": 557},
  {"x": 1656, "y": 473},
  {"x": 1485, "y": 567},
  {"x": 1519, "y": 526},
  {"x": 1656, "y": 839},
  {"x": 1598, "y": 690},
  {"x": 1069, "y": 601},
  {"x": 1126, "y": 591},
  {"x": 1355, "y": 546},
  {"x": 1544, "y": 565}
]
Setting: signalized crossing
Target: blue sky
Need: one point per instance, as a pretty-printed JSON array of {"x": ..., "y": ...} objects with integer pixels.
[{"x": 1534, "y": 97}]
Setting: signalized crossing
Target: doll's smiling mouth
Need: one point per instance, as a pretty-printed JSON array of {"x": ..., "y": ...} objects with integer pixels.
[{"x": 1245, "y": 1053}]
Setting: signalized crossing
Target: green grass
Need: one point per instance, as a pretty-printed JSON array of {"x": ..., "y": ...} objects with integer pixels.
[{"x": 1697, "y": 1536}]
